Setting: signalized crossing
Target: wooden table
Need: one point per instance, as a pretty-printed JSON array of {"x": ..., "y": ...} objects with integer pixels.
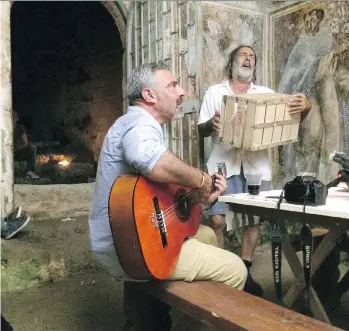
[{"x": 334, "y": 215}]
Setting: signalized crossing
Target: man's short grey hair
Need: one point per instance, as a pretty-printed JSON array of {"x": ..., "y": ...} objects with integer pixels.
[{"x": 142, "y": 76}]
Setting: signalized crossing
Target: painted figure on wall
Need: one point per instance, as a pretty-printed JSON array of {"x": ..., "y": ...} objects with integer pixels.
[{"x": 316, "y": 67}]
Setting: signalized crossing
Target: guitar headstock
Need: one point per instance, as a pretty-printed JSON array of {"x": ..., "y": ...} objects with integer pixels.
[{"x": 222, "y": 169}]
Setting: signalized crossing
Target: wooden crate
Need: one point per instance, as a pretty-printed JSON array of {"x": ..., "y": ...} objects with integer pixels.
[{"x": 258, "y": 121}]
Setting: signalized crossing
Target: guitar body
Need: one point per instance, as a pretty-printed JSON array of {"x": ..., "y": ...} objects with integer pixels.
[{"x": 148, "y": 246}]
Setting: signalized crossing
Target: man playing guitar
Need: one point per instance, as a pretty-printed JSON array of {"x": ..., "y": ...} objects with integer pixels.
[{"x": 135, "y": 144}]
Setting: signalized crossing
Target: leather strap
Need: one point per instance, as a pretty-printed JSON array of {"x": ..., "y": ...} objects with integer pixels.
[
  {"x": 307, "y": 249},
  {"x": 276, "y": 238}
]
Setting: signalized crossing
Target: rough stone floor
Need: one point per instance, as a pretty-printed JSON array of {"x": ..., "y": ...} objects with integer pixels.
[{"x": 49, "y": 282}]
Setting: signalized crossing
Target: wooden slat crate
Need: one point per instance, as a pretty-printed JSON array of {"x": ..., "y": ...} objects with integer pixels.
[{"x": 258, "y": 121}]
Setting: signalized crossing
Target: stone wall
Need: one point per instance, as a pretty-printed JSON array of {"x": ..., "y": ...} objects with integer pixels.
[{"x": 65, "y": 200}]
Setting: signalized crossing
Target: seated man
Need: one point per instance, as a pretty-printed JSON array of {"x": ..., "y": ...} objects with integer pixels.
[
  {"x": 23, "y": 149},
  {"x": 135, "y": 144}
]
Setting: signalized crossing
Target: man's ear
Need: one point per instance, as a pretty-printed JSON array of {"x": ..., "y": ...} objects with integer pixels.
[{"x": 148, "y": 95}]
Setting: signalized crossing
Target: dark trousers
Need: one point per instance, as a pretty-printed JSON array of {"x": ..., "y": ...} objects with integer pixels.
[
  {"x": 144, "y": 312},
  {"x": 5, "y": 326},
  {"x": 27, "y": 153}
]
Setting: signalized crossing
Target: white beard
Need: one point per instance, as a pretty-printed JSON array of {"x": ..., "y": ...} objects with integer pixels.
[
  {"x": 242, "y": 73},
  {"x": 178, "y": 114}
]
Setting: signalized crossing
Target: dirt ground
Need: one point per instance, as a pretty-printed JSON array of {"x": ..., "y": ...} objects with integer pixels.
[{"x": 50, "y": 282}]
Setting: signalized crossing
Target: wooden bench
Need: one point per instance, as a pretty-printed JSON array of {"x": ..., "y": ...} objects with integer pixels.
[{"x": 216, "y": 305}]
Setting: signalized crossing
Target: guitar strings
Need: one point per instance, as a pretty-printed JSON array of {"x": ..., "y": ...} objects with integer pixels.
[
  {"x": 172, "y": 207},
  {"x": 188, "y": 195},
  {"x": 169, "y": 212}
]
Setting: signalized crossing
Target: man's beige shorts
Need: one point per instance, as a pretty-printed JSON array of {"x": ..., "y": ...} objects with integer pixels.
[{"x": 201, "y": 259}]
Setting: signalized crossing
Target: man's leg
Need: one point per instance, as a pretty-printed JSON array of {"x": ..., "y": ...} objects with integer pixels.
[
  {"x": 218, "y": 223},
  {"x": 249, "y": 243},
  {"x": 144, "y": 312},
  {"x": 150, "y": 314},
  {"x": 28, "y": 154},
  {"x": 200, "y": 261},
  {"x": 31, "y": 157},
  {"x": 250, "y": 240},
  {"x": 206, "y": 235}
]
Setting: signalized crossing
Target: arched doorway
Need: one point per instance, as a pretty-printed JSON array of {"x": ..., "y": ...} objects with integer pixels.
[{"x": 67, "y": 82}]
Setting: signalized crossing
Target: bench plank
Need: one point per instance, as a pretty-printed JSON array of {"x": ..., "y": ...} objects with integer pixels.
[{"x": 225, "y": 308}]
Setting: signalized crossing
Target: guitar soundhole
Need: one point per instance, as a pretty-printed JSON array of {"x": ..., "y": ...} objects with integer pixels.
[{"x": 183, "y": 205}]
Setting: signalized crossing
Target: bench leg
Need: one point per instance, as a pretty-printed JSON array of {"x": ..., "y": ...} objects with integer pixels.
[{"x": 145, "y": 312}]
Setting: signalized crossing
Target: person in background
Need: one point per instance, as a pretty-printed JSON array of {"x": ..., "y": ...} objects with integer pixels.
[
  {"x": 23, "y": 150},
  {"x": 241, "y": 74}
]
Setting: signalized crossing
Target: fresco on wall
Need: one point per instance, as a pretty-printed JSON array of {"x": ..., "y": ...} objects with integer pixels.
[
  {"x": 224, "y": 28},
  {"x": 310, "y": 55}
]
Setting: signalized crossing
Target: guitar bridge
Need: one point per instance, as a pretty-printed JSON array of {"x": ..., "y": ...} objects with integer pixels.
[
  {"x": 155, "y": 222},
  {"x": 160, "y": 221}
]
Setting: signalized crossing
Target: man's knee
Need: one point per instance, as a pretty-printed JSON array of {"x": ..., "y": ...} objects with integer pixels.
[
  {"x": 218, "y": 222},
  {"x": 206, "y": 235},
  {"x": 236, "y": 274}
]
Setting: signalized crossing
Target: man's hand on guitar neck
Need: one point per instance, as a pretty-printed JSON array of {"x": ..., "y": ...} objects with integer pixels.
[
  {"x": 220, "y": 186},
  {"x": 204, "y": 190}
]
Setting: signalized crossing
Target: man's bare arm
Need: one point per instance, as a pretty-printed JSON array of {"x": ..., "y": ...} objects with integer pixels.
[{"x": 170, "y": 169}]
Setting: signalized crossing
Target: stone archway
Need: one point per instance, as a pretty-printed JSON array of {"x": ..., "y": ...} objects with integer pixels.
[{"x": 115, "y": 9}]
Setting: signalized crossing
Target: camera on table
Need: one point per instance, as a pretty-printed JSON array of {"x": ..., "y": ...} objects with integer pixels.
[{"x": 305, "y": 189}]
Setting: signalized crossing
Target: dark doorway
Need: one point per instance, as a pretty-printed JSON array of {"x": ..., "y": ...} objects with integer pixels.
[{"x": 66, "y": 82}]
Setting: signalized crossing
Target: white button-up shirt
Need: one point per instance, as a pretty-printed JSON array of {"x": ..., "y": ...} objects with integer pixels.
[{"x": 252, "y": 161}]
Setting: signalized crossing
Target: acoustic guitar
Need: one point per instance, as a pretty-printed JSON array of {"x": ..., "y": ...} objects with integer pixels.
[{"x": 149, "y": 222}]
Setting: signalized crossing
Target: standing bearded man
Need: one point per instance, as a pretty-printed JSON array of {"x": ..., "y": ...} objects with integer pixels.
[{"x": 241, "y": 73}]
